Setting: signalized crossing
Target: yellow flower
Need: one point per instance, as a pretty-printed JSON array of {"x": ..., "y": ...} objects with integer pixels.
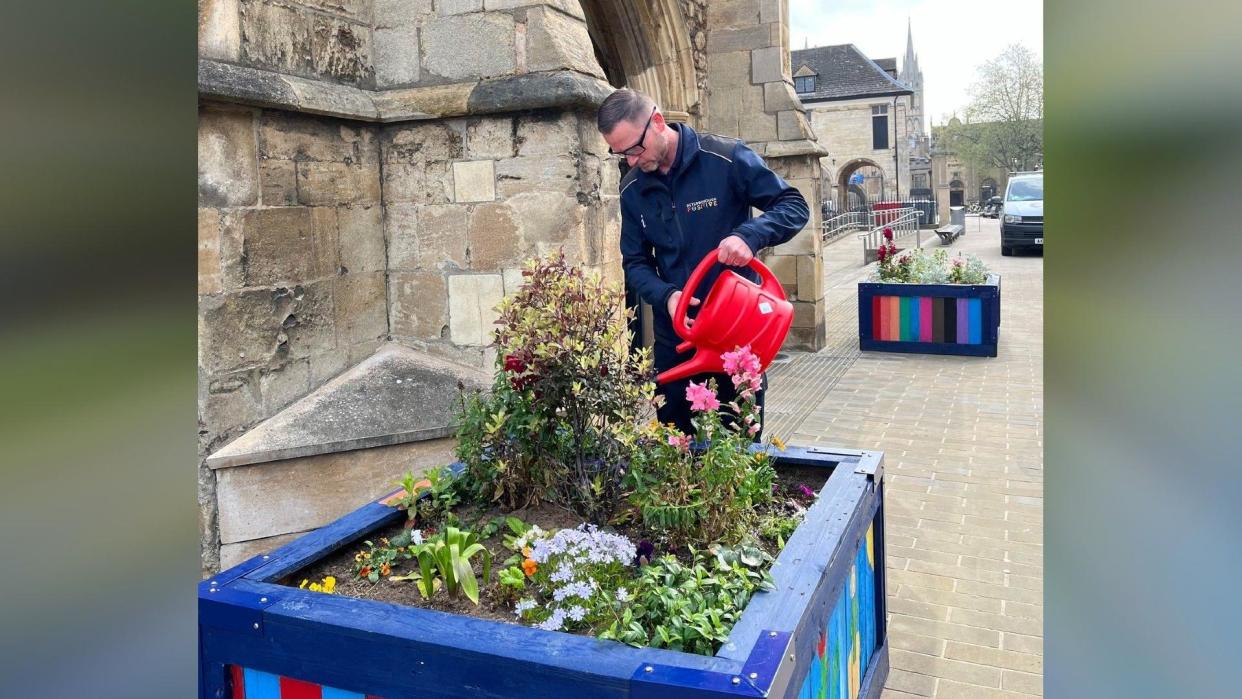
[
  {"x": 526, "y": 552},
  {"x": 780, "y": 443},
  {"x": 303, "y": 585},
  {"x": 329, "y": 584}
]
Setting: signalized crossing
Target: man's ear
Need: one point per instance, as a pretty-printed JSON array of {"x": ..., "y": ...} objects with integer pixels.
[{"x": 658, "y": 120}]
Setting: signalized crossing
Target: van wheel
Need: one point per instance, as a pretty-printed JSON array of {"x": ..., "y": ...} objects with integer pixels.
[{"x": 1006, "y": 250}]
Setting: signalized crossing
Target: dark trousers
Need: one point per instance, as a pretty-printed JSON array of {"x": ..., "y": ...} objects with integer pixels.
[{"x": 676, "y": 408}]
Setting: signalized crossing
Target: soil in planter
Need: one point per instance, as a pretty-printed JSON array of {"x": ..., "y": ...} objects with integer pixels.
[{"x": 494, "y": 602}]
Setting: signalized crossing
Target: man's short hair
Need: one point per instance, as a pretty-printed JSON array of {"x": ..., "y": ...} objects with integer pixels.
[{"x": 623, "y": 105}]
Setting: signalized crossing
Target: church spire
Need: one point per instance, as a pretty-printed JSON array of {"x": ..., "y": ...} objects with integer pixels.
[{"x": 910, "y": 62}]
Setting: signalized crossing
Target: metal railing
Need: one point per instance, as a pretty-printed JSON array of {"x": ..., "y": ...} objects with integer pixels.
[
  {"x": 928, "y": 208},
  {"x": 834, "y": 227},
  {"x": 902, "y": 222}
]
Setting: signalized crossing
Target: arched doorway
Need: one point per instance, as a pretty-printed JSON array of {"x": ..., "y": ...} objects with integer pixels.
[
  {"x": 957, "y": 193},
  {"x": 987, "y": 189},
  {"x": 860, "y": 183}
]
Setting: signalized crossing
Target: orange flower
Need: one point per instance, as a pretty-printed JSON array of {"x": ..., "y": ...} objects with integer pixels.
[
  {"x": 364, "y": 572},
  {"x": 385, "y": 569},
  {"x": 529, "y": 567}
]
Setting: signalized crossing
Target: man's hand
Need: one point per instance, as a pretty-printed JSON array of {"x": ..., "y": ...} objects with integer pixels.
[
  {"x": 734, "y": 252},
  {"x": 672, "y": 305}
]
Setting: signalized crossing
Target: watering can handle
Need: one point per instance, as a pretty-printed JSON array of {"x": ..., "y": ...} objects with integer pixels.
[{"x": 770, "y": 284}]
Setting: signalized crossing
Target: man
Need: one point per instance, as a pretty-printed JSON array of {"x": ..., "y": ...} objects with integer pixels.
[{"x": 687, "y": 194}]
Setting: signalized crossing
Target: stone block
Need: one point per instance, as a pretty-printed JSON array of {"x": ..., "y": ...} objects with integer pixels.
[
  {"x": 423, "y": 183},
  {"x": 472, "y": 307},
  {"x": 459, "y": 7},
  {"x": 442, "y": 236},
  {"x": 219, "y": 29},
  {"x": 326, "y": 366},
  {"x": 513, "y": 280},
  {"x": 284, "y": 384},
  {"x": 495, "y": 240},
  {"x": 228, "y": 169},
  {"x": 307, "y": 315},
  {"x": 356, "y": 10},
  {"x": 360, "y": 232},
  {"x": 209, "y": 251},
  {"x": 329, "y": 184},
  {"x": 547, "y": 133},
  {"x": 474, "y": 180},
  {"x": 810, "y": 277},
  {"x": 802, "y": 244},
  {"x": 418, "y": 305},
  {"x": 432, "y": 141},
  {"x": 536, "y": 174},
  {"x": 361, "y": 304},
  {"x": 766, "y": 65},
  {"x": 557, "y": 42},
  {"x": 756, "y": 125},
  {"x": 401, "y": 231},
  {"x": 399, "y": 13},
  {"x": 490, "y": 138},
  {"x": 396, "y": 104},
  {"x": 546, "y": 217},
  {"x": 780, "y": 96},
  {"x": 278, "y": 182},
  {"x": 300, "y": 137},
  {"x": 788, "y": 126},
  {"x": 770, "y": 11},
  {"x": 743, "y": 39},
  {"x": 396, "y": 56},
  {"x": 785, "y": 267},
  {"x": 469, "y": 46},
  {"x": 569, "y": 7},
  {"x": 242, "y": 551},
  {"x": 293, "y": 495},
  {"x": 254, "y": 328},
  {"x": 732, "y": 14},
  {"x": 230, "y": 404},
  {"x": 808, "y": 314},
  {"x": 293, "y": 41},
  {"x": 288, "y": 245}
]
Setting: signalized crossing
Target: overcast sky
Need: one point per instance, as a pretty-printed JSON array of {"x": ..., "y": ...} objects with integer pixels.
[{"x": 951, "y": 37}]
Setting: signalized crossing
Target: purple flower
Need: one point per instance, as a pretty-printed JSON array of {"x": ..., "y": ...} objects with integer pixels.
[
  {"x": 806, "y": 492},
  {"x": 645, "y": 550}
]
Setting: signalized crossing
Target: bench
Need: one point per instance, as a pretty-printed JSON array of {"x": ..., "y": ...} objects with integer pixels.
[{"x": 949, "y": 232}]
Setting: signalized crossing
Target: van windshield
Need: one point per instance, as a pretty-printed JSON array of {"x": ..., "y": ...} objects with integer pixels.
[{"x": 1026, "y": 190}]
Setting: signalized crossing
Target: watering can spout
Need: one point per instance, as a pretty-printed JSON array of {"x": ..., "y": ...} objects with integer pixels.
[{"x": 736, "y": 312}]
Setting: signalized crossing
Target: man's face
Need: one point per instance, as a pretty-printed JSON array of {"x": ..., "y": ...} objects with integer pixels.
[{"x": 626, "y": 135}]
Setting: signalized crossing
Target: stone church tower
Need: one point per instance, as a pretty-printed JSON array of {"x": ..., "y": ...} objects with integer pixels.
[{"x": 912, "y": 75}]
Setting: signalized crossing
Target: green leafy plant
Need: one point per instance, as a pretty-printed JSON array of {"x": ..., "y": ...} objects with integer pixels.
[
  {"x": 447, "y": 557},
  {"x": 917, "y": 266},
  {"x": 377, "y": 561}
]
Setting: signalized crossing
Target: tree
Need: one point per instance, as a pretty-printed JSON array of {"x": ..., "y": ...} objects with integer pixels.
[{"x": 1005, "y": 118}]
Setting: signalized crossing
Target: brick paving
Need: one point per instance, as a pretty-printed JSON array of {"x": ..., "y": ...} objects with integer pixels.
[{"x": 963, "y": 444}]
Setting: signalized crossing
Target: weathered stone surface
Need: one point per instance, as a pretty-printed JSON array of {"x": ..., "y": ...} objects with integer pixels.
[
  {"x": 474, "y": 180},
  {"x": 442, "y": 236},
  {"x": 219, "y": 29},
  {"x": 288, "y": 245},
  {"x": 284, "y": 384},
  {"x": 732, "y": 14},
  {"x": 429, "y": 183},
  {"x": 361, "y": 237},
  {"x": 253, "y": 328},
  {"x": 317, "y": 96},
  {"x": 766, "y": 65},
  {"x": 780, "y": 96},
  {"x": 800, "y": 244},
  {"x": 303, "y": 43},
  {"x": 788, "y": 126},
  {"x": 325, "y": 366},
  {"x": 495, "y": 241},
  {"x": 356, "y": 10},
  {"x": 754, "y": 124},
  {"x": 271, "y": 499},
  {"x": 547, "y": 133},
  {"x": 242, "y": 551},
  {"x": 420, "y": 143},
  {"x": 546, "y": 217},
  {"x": 459, "y": 7},
  {"x": 291, "y": 136},
  {"x": 400, "y": 13},
  {"x": 743, "y": 39},
  {"x": 770, "y": 11},
  {"x": 423, "y": 102},
  {"x": 396, "y": 56},
  {"x": 569, "y": 7},
  {"x": 724, "y": 104},
  {"x": 326, "y": 184},
  {"x": 401, "y": 231},
  {"x": 361, "y": 302},
  {"x": 490, "y": 137},
  {"x": 278, "y": 182},
  {"x": 785, "y": 267},
  {"x": 536, "y": 174},
  {"x": 555, "y": 41},
  {"x": 468, "y": 46},
  {"x": 228, "y": 173},
  {"x": 208, "y": 251},
  {"x": 242, "y": 84},
  {"x": 513, "y": 280},
  {"x": 810, "y": 277},
  {"x": 559, "y": 89},
  {"x": 231, "y": 402},
  {"x": 472, "y": 307},
  {"x": 418, "y": 305}
]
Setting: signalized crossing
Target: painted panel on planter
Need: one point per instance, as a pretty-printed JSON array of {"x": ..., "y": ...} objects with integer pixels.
[
  {"x": 848, "y": 641},
  {"x": 254, "y": 684},
  {"x": 927, "y": 319}
]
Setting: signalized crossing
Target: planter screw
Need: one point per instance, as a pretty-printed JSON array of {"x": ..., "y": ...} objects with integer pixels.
[
  {"x": 256, "y": 626},
  {"x": 754, "y": 675},
  {"x": 262, "y": 599},
  {"x": 736, "y": 680},
  {"x": 771, "y": 634},
  {"x": 265, "y": 557},
  {"x": 649, "y": 669},
  {"x": 212, "y": 590}
]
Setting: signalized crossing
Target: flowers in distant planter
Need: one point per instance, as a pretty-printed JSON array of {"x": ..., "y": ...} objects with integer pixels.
[{"x": 917, "y": 266}]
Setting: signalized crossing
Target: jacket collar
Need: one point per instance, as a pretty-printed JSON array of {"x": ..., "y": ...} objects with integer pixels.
[{"x": 687, "y": 151}]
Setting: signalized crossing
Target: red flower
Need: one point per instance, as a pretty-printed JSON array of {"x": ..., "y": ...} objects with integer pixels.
[
  {"x": 514, "y": 364},
  {"x": 888, "y": 233}
]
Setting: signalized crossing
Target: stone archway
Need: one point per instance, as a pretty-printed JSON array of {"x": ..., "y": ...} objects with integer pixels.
[
  {"x": 646, "y": 45},
  {"x": 957, "y": 193},
  {"x": 853, "y": 194},
  {"x": 987, "y": 189}
]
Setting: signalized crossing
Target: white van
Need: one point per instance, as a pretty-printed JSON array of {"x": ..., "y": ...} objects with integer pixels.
[{"x": 1022, "y": 214}]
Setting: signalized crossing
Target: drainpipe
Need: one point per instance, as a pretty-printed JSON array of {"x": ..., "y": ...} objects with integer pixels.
[{"x": 896, "y": 150}]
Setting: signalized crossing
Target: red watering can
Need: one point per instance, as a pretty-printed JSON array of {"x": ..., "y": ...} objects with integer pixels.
[{"x": 736, "y": 312}]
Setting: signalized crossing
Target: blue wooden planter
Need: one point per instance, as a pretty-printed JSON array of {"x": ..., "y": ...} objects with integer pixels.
[
  {"x": 930, "y": 318},
  {"x": 820, "y": 633}
]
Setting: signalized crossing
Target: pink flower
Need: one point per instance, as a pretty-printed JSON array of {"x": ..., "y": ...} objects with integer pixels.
[
  {"x": 681, "y": 441},
  {"x": 741, "y": 360},
  {"x": 701, "y": 397},
  {"x": 752, "y": 429}
]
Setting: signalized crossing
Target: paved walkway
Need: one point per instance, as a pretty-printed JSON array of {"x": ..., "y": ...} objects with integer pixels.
[{"x": 963, "y": 443}]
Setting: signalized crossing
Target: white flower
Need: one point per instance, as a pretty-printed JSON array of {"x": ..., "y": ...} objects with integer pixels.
[
  {"x": 623, "y": 595},
  {"x": 576, "y": 613},
  {"x": 523, "y": 606},
  {"x": 417, "y": 537},
  {"x": 554, "y": 622}
]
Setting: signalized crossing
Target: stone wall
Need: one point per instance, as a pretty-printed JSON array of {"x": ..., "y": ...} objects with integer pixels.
[
  {"x": 468, "y": 199},
  {"x": 845, "y": 128},
  {"x": 291, "y": 260}
]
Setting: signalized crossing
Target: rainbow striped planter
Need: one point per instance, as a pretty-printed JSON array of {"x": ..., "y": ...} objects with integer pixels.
[
  {"x": 930, "y": 318},
  {"x": 820, "y": 633}
]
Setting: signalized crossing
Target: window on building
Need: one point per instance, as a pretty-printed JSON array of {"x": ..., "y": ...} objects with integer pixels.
[
  {"x": 805, "y": 84},
  {"x": 879, "y": 126}
]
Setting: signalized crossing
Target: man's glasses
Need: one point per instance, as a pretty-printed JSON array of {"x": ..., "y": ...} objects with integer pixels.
[{"x": 638, "y": 147}]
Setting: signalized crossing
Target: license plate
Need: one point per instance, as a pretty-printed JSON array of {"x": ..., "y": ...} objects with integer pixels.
[{"x": 1039, "y": 241}]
